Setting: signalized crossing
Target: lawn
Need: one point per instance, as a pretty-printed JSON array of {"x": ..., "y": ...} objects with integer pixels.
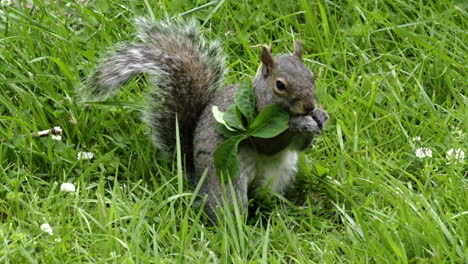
[{"x": 385, "y": 183}]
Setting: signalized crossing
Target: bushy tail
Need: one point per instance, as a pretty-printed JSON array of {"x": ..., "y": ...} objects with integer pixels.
[{"x": 185, "y": 69}]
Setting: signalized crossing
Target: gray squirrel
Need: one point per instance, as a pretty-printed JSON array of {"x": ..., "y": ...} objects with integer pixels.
[{"x": 187, "y": 74}]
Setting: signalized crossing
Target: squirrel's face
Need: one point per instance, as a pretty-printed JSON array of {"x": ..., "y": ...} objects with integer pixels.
[{"x": 286, "y": 80}]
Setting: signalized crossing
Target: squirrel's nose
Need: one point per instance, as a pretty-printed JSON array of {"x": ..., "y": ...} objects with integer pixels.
[{"x": 308, "y": 106}]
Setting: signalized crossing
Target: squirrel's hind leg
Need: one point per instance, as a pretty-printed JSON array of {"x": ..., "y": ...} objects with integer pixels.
[
  {"x": 223, "y": 197},
  {"x": 219, "y": 196}
]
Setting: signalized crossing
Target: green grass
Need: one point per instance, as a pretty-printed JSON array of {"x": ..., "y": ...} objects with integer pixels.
[{"x": 387, "y": 71}]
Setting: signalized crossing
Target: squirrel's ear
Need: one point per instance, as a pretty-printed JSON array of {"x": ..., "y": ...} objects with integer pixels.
[
  {"x": 268, "y": 61},
  {"x": 298, "y": 49}
]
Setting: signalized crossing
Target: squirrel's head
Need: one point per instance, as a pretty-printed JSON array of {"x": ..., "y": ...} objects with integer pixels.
[{"x": 285, "y": 80}]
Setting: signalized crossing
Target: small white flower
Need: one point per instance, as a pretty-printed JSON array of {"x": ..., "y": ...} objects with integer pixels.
[
  {"x": 56, "y": 137},
  {"x": 57, "y": 130},
  {"x": 85, "y": 155},
  {"x": 423, "y": 153},
  {"x": 67, "y": 187},
  {"x": 455, "y": 155},
  {"x": 46, "y": 228},
  {"x": 416, "y": 139}
]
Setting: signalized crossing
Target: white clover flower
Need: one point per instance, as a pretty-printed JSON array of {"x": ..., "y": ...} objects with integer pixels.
[
  {"x": 67, "y": 187},
  {"x": 47, "y": 229},
  {"x": 57, "y": 130},
  {"x": 56, "y": 137},
  {"x": 85, "y": 155},
  {"x": 455, "y": 155},
  {"x": 423, "y": 153},
  {"x": 416, "y": 139}
]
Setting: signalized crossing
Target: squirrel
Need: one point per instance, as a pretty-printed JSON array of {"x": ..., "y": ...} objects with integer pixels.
[{"x": 187, "y": 74}]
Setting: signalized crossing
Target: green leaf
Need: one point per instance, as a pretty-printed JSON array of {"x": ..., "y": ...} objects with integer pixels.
[
  {"x": 271, "y": 121},
  {"x": 245, "y": 100},
  {"x": 221, "y": 129},
  {"x": 225, "y": 158},
  {"x": 219, "y": 117},
  {"x": 240, "y": 119},
  {"x": 233, "y": 118}
]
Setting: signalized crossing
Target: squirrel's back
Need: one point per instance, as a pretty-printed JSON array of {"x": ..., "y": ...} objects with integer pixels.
[{"x": 185, "y": 69}]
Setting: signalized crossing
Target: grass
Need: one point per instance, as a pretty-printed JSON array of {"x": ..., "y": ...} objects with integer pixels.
[{"x": 387, "y": 72}]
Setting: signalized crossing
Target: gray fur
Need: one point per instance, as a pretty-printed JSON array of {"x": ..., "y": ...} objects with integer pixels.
[{"x": 188, "y": 74}]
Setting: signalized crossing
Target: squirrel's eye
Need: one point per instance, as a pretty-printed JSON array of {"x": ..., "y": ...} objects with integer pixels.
[{"x": 280, "y": 86}]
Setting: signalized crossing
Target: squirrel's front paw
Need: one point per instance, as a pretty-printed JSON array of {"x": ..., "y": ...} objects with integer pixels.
[
  {"x": 313, "y": 123},
  {"x": 304, "y": 124},
  {"x": 321, "y": 117}
]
